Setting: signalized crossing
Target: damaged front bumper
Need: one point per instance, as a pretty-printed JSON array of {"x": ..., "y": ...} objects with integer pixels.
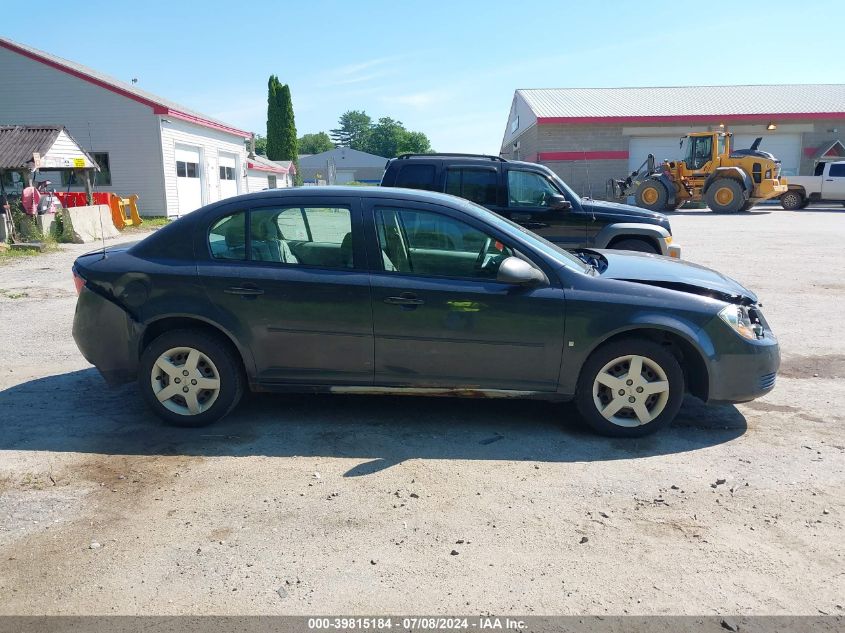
[
  {"x": 742, "y": 369},
  {"x": 107, "y": 336}
]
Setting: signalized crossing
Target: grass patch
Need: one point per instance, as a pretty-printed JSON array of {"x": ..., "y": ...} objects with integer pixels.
[
  {"x": 148, "y": 224},
  {"x": 12, "y": 294},
  {"x": 18, "y": 253}
]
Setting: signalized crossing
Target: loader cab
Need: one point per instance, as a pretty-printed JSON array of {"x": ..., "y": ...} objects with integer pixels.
[{"x": 700, "y": 150}]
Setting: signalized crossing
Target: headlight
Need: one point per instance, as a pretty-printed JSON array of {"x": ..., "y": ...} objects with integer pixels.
[
  {"x": 739, "y": 320},
  {"x": 668, "y": 239}
]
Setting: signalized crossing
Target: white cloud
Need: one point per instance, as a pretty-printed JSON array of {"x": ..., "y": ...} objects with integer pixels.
[
  {"x": 418, "y": 100},
  {"x": 360, "y": 72}
]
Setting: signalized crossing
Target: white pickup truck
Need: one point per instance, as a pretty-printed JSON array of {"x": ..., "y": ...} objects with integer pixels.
[{"x": 827, "y": 184}]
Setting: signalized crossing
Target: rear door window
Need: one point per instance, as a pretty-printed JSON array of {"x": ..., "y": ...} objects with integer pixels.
[
  {"x": 837, "y": 170},
  {"x": 227, "y": 237},
  {"x": 477, "y": 185},
  {"x": 416, "y": 177},
  {"x": 307, "y": 236}
]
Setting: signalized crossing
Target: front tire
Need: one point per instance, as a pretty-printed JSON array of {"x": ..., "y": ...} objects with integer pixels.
[
  {"x": 792, "y": 200},
  {"x": 630, "y": 388},
  {"x": 652, "y": 195},
  {"x": 725, "y": 195},
  {"x": 190, "y": 378}
]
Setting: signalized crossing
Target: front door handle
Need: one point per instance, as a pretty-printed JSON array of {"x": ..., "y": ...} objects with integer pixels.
[
  {"x": 405, "y": 299},
  {"x": 244, "y": 291}
]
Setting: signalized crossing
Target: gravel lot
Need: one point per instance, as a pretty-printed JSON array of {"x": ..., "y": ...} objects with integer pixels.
[{"x": 354, "y": 505}]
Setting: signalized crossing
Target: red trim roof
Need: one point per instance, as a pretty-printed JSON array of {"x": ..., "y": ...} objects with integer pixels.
[
  {"x": 159, "y": 107},
  {"x": 690, "y": 118},
  {"x": 257, "y": 167}
]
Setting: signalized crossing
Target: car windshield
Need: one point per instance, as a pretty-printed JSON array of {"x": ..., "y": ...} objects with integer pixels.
[
  {"x": 564, "y": 188},
  {"x": 563, "y": 256}
]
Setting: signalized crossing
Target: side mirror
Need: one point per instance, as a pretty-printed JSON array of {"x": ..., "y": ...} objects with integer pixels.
[
  {"x": 518, "y": 272},
  {"x": 559, "y": 203}
]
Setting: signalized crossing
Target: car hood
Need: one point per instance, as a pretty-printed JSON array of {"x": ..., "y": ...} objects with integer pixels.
[
  {"x": 624, "y": 212},
  {"x": 674, "y": 274}
]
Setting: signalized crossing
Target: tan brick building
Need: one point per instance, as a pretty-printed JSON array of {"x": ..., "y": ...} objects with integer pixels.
[{"x": 588, "y": 135}]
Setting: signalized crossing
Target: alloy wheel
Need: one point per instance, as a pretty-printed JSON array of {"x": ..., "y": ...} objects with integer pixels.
[
  {"x": 631, "y": 390},
  {"x": 185, "y": 381}
]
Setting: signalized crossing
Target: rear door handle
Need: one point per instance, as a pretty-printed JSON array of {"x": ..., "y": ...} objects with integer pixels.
[
  {"x": 244, "y": 291},
  {"x": 405, "y": 299}
]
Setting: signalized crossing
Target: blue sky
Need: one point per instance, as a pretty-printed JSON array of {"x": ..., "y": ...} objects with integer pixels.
[{"x": 448, "y": 69}]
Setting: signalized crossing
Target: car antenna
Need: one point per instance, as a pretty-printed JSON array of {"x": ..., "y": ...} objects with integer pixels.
[{"x": 93, "y": 187}]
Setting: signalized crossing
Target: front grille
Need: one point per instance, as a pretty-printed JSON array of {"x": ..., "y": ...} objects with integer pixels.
[{"x": 767, "y": 381}]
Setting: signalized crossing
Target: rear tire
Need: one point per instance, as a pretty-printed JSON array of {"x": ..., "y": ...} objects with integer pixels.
[
  {"x": 792, "y": 200},
  {"x": 652, "y": 195},
  {"x": 609, "y": 382},
  {"x": 725, "y": 195},
  {"x": 190, "y": 378},
  {"x": 634, "y": 244}
]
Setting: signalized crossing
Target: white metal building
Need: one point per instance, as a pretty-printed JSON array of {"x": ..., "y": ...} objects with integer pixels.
[
  {"x": 588, "y": 135},
  {"x": 175, "y": 159}
]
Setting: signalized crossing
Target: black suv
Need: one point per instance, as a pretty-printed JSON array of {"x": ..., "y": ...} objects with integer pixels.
[{"x": 535, "y": 197}]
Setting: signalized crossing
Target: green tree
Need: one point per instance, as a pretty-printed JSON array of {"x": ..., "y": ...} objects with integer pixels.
[
  {"x": 274, "y": 118},
  {"x": 385, "y": 138},
  {"x": 260, "y": 145},
  {"x": 282, "y": 143},
  {"x": 354, "y": 127},
  {"x": 415, "y": 143},
  {"x": 315, "y": 143}
]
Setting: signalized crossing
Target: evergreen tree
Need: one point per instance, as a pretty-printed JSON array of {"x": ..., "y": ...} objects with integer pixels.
[
  {"x": 281, "y": 127},
  {"x": 274, "y": 119},
  {"x": 289, "y": 147}
]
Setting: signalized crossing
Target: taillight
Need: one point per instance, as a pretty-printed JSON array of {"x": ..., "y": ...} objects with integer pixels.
[{"x": 77, "y": 281}]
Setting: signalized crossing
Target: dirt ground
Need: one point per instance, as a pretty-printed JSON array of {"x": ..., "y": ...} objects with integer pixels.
[{"x": 355, "y": 505}]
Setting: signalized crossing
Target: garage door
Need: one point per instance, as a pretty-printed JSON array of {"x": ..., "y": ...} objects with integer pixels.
[
  {"x": 344, "y": 177},
  {"x": 188, "y": 178},
  {"x": 786, "y": 147},
  {"x": 663, "y": 147},
  {"x": 228, "y": 175}
]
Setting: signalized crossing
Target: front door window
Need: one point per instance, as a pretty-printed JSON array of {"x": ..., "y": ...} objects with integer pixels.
[
  {"x": 529, "y": 189},
  {"x": 423, "y": 243}
]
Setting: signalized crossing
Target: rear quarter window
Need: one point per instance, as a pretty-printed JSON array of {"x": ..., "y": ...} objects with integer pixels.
[{"x": 416, "y": 177}]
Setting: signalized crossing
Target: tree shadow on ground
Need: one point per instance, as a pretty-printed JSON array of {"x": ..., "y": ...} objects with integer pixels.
[{"x": 75, "y": 412}]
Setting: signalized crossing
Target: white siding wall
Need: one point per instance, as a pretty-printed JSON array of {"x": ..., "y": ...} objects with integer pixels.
[
  {"x": 211, "y": 143},
  {"x": 519, "y": 109},
  {"x": 127, "y": 130},
  {"x": 64, "y": 152},
  {"x": 257, "y": 180}
]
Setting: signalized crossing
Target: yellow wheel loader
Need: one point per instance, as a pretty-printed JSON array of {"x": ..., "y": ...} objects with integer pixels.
[{"x": 727, "y": 181}]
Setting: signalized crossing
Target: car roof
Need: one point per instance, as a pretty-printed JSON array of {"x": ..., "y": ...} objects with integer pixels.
[
  {"x": 335, "y": 191},
  {"x": 180, "y": 231},
  {"x": 462, "y": 159}
]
